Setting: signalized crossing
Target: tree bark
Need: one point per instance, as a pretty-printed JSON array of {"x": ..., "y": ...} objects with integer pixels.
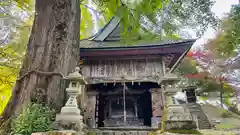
[{"x": 53, "y": 51}]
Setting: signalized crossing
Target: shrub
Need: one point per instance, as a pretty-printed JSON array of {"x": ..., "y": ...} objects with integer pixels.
[
  {"x": 35, "y": 118},
  {"x": 226, "y": 114}
]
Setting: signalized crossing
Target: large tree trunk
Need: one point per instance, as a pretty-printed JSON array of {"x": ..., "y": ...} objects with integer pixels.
[{"x": 53, "y": 49}]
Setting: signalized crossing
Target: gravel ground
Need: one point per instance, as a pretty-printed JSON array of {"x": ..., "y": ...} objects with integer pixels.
[
  {"x": 220, "y": 132},
  {"x": 212, "y": 132}
]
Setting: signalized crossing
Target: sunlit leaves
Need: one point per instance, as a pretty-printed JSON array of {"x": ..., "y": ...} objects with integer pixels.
[
  {"x": 16, "y": 23},
  {"x": 11, "y": 56},
  {"x": 25, "y": 4},
  {"x": 86, "y": 26},
  {"x": 160, "y": 16}
]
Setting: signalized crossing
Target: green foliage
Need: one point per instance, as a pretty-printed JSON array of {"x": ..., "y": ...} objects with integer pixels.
[
  {"x": 227, "y": 41},
  {"x": 35, "y": 118},
  {"x": 227, "y": 114},
  {"x": 11, "y": 56},
  {"x": 227, "y": 126},
  {"x": 164, "y": 119},
  {"x": 13, "y": 47},
  {"x": 91, "y": 132},
  {"x": 231, "y": 31},
  {"x": 87, "y": 24},
  {"x": 25, "y": 4},
  {"x": 189, "y": 66},
  {"x": 156, "y": 17}
]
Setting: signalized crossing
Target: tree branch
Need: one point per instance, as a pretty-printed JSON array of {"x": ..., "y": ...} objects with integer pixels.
[{"x": 91, "y": 8}]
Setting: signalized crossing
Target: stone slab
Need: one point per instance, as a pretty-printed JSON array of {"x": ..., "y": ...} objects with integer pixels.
[
  {"x": 69, "y": 118},
  {"x": 71, "y": 110}
]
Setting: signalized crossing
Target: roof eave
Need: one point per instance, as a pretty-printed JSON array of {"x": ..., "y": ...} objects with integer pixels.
[{"x": 189, "y": 42}]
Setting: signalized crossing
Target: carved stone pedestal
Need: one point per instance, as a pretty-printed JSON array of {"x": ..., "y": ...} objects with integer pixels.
[{"x": 179, "y": 117}]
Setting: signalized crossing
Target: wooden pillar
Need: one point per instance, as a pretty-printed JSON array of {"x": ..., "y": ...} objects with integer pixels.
[
  {"x": 136, "y": 110},
  {"x": 157, "y": 106},
  {"x": 83, "y": 99},
  {"x": 110, "y": 108},
  {"x": 90, "y": 108}
]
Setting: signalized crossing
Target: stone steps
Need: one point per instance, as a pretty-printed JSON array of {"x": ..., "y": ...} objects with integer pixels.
[
  {"x": 197, "y": 112},
  {"x": 122, "y": 131}
]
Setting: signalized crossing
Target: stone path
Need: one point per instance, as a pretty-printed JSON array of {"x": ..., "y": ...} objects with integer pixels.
[
  {"x": 220, "y": 132},
  {"x": 212, "y": 132}
]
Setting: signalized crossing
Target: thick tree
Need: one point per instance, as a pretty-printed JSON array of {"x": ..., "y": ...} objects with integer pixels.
[{"x": 52, "y": 52}]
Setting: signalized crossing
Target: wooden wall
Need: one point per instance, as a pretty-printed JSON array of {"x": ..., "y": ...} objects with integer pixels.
[{"x": 116, "y": 67}]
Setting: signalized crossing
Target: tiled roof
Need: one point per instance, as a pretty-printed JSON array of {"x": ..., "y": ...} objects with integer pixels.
[{"x": 104, "y": 44}]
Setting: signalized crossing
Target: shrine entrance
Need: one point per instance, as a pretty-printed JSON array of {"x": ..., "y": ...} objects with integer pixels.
[{"x": 124, "y": 105}]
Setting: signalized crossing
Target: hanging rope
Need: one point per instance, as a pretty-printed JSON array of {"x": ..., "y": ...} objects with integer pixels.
[
  {"x": 41, "y": 73},
  {"x": 124, "y": 103}
]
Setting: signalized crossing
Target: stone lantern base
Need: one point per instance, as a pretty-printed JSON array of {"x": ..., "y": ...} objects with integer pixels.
[
  {"x": 69, "y": 118},
  {"x": 70, "y": 110},
  {"x": 179, "y": 118}
]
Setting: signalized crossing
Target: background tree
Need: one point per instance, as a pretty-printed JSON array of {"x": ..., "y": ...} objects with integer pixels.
[
  {"x": 209, "y": 72},
  {"x": 14, "y": 31},
  {"x": 226, "y": 43}
]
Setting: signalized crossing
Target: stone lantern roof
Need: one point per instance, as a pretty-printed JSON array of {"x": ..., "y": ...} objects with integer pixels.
[
  {"x": 171, "y": 77},
  {"x": 76, "y": 76}
]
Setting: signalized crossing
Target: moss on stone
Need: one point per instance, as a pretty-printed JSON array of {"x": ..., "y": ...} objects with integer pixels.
[
  {"x": 195, "y": 132},
  {"x": 91, "y": 133},
  {"x": 164, "y": 119}
]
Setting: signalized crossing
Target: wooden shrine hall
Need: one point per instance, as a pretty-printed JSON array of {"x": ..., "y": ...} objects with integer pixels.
[{"x": 128, "y": 86}]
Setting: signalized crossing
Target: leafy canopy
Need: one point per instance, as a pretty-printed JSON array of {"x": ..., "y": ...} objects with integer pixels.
[
  {"x": 13, "y": 44},
  {"x": 203, "y": 80},
  {"x": 227, "y": 41},
  {"x": 160, "y": 17}
]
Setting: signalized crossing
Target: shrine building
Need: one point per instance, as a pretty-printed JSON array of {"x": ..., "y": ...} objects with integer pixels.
[{"x": 128, "y": 85}]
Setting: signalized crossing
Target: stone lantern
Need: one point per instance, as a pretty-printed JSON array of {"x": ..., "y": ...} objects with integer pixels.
[
  {"x": 70, "y": 113},
  {"x": 170, "y": 88},
  {"x": 177, "y": 116}
]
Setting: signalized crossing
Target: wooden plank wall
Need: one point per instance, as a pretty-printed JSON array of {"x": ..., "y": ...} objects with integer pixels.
[{"x": 116, "y": 68}]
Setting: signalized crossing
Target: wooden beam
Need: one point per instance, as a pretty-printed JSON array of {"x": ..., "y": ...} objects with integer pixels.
[{"x": 179, "y": 59}]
